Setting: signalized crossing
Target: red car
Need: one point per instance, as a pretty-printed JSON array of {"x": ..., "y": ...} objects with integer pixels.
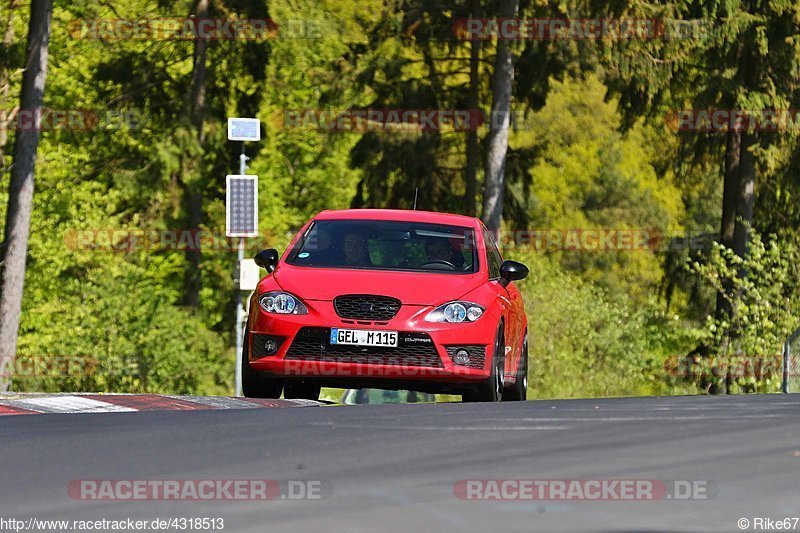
[{"x": 390, "y": 299}]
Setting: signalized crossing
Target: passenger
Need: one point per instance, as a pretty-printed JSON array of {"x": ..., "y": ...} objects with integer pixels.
[
  {"x": 318, "y": 249},
  {"x": 320, "y": 241}
]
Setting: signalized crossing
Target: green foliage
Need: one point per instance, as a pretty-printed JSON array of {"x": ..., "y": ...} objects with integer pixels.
[
  {"x": 582, "y": 344},
  {"x": 303, "y": 170},
  {"x": 763, "y": 293},
  {"x": 588, "y": 175},
  {"x": 131, "y": 340}
]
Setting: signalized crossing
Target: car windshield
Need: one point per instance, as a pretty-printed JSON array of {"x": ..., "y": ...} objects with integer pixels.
[{"x": 372, "y": 244}]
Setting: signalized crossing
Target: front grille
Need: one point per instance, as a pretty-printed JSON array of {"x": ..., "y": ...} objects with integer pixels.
[
  {"x": 477, "y": 354},
  {"x": 366, "y": 306},
  {"x": 413, "y": 349}
]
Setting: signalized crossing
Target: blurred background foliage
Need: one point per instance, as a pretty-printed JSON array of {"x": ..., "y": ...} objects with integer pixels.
[{"x": 590, "y": 148}]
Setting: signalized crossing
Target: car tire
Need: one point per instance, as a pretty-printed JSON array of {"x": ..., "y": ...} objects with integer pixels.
[
  {"x": 255, "y": 385},
  {"x": 491, "y": 390},
  {"x": 301, "y": 390},
  {"x": 519, "y": 391}
]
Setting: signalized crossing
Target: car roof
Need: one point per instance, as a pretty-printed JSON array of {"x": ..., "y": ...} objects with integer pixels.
[{"x": 404, "y": 215}]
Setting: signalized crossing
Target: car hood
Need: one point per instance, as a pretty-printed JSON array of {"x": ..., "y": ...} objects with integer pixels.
[{"x": 413, "y": 288}]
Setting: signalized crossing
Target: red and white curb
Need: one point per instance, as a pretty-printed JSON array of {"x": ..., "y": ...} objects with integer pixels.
[{"x": 30, "y": 404}]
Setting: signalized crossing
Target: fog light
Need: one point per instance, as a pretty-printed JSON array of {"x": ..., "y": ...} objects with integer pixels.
[
  {"x": 461, "y": 357},
  {"x": 270, "y": 346}
]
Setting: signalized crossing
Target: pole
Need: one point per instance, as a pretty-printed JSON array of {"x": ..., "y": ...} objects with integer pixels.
[
  {"x": 239, "y": 322},
  {"x": 239, "y": 307},
  {"x": 242, "y": 161},
  {"x": 785, "y": 381}
]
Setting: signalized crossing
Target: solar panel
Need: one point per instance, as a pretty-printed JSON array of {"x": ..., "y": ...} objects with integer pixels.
[
  {"x": 241, "y": 206},
  {"x": 244, "y": 129}
]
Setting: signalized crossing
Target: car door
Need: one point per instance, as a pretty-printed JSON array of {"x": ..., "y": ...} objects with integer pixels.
[{"x": 510, "y": 300}]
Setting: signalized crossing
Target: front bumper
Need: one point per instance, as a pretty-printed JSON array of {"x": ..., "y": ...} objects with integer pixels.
[{"x": 423, "y": 359}]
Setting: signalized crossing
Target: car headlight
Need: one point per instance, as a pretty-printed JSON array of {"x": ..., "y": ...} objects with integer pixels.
[
  {"x": 281, "y": 303},
  {"x": 456, "y": 312}
]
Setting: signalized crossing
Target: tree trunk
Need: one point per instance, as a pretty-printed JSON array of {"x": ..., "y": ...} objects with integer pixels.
[
  {"x": 473, "y": 146},
  {"x": 745, "y": 196},
  {"x": 499, "y": 119},
  {"x": 8, "y": 40},
  {"x": 20, "y": 194},
  {"x": 729, "y": 193},
  {"x": 745, "y": 191},
  {"x": 194, "y": 191},
  {"x": 198, "y": 88}
]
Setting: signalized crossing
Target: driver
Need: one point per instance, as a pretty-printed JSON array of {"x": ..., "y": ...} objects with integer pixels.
[{"x": 439, "y": 250}]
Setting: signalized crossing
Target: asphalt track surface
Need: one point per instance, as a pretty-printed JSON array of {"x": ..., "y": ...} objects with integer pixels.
[{"x": 393, "y": 467}]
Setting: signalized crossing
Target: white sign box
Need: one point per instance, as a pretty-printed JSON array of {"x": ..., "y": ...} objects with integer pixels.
[
  {"x": 249, "y": 275},
  {"x": 244, "y": 129}
]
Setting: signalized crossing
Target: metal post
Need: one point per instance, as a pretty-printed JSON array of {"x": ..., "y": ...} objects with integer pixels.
[
  {"x": 239, "y": 323},
  {"x": 785, "y": 382},
  {"x": 242, "y": 161},
  {"x": 239, "y": 307}
]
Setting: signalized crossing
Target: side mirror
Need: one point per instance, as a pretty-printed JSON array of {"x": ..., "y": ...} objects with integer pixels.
[
  {"x": 512, "y": 271},
  {"x": 267, "y": 259}
]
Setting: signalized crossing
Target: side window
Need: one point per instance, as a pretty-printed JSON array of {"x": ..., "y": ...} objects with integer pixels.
[{"x": 492, "y": 255}]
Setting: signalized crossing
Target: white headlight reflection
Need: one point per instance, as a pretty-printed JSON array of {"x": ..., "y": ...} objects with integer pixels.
[
  {"x": 281, "y": 303},
  {"x": 455, "y": 312}
]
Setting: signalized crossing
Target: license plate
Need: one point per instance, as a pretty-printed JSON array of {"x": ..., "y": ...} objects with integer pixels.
[{"x": 360, "y": 337}]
